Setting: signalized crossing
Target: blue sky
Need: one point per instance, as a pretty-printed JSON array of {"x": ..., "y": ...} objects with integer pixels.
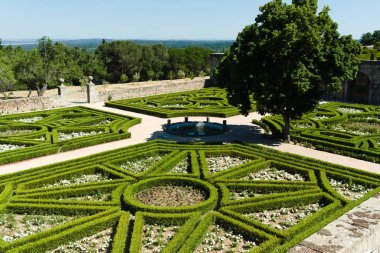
[{"x": 158, "y": 19}]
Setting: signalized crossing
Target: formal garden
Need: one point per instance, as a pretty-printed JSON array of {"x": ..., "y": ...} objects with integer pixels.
[
  {"x": 347, "y": 129},
  {"x": 196, "y": 194},
  {"x": 28, "y": 135},
  {"x": 161, "y": 196},
  {"x": 205, "y": 102}
]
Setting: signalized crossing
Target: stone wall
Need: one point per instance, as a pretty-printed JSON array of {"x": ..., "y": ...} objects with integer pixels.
[
  {"x": 113, "y": 92},
  {"x": 371, "y": 70},
  {"x": 132, "y": 90},
  {"x": 30, "y": 104},
  {"x": 215, "y": 59}
]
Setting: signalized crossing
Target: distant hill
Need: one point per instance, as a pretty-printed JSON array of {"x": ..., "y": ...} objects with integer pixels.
[{"x": 92, "y": 44}]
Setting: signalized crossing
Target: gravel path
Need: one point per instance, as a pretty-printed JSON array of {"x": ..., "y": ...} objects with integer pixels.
[{"x": 151, "y": 128}]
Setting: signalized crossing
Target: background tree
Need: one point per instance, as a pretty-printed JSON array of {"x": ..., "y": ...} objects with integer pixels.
[
  {"x": 370, "y": 38},
  {"x": 366, "y": 39},
  {"x": 46, "y": 50},
  {"x": 376, "y": 36},
  {"x": 29, "y": 71},
  {"x": 283, "y": 59},
  {"x": 120, "y": 57},
  {"x": 6, "y": 78}
]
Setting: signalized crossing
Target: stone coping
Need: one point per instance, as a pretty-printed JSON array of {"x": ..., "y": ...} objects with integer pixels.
[{"x": 357, "y": 231}]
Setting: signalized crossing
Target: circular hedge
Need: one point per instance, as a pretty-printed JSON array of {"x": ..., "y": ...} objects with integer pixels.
[{"x": 131, "y": 203}]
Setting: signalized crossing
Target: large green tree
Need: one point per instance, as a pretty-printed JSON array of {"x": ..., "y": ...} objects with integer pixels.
[{"x": 285, "y": 58}]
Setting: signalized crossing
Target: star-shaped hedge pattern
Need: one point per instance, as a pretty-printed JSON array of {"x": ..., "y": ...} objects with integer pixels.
[
  {"x": 34, "y": 134},
  {"x": 211, "y": 102},
  {"x": 348, "y": 129},
  {"x": 166, "y": 197}
]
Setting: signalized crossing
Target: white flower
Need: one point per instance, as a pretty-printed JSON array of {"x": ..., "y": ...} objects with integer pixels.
[
  {"x": 29, "y": 120},
  {"x": 8, "y": 147}
]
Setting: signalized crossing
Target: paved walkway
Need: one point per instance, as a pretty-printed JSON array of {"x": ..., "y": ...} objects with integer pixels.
[{"x": 150, "y": 128}]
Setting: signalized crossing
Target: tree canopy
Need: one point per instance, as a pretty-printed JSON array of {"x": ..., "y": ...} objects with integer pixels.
[
  {"x": 125, "y": 60},
  {"x": 117, "y": 61},
  {"x": 370, "y": 38},
  {"x": 285, "y": 59}
]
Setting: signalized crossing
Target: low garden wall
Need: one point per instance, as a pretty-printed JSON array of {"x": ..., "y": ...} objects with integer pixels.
[
  {"x": 151, "y": 88},
  {"x": 105, "y": 93},
  {"x": 30, "y": 104}
]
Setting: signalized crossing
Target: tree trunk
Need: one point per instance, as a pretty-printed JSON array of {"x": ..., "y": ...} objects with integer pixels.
[
  {"x": 286, "y": 130},
  {"x": 30, "y": 93},
  {"x": 41, "y": 91}
]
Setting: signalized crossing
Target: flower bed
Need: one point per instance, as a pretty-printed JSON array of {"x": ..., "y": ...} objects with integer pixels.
[
  {"x": 98, "y": 243},
  {"x": 346, "y": 129},
  {"x": 92, "y": 204},
  {"x": 204, "y": 102},
  {"x": 73, "y": 135},
  {"x": 220, "y": 163},
  {"x": 350, "y": 190},
  {"x": 34, "y": 134},
  {"x": 140, "y": 165},
  {"x": 83, "y": 179},
  {"x": 9, "y": 147},
  {"x": 170, "y": 195},
  {"x": 218, "y": 239},
  {"x": 182, "y": 167},
  {"x": 15, "y": 226},
  {"x": 10, "y": 132},
  {"x": 29, "y": 120},
  {"x": 284, "y": 218},
  {"x": 157, "y": 236},
  {"x": 274, "y": 174}
]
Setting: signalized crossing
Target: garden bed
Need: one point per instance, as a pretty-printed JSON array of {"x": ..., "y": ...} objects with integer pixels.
[
  {"x": 204, "y": 102},
  {"x": 192, "y": 198},
  {"x": 28, "y": 135},
  {"x": 346, "y": 129}
]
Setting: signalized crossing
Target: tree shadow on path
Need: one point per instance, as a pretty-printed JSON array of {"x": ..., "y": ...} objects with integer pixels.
[{"x": 235, "y": 133}]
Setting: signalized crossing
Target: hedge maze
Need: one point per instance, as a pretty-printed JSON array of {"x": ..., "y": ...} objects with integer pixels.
[
  {"x": 166, "y": 197},
  {"x": 347, "y": 129},
  {"x": 27, "y": 135},
  {"x": 205, "y": 102}
]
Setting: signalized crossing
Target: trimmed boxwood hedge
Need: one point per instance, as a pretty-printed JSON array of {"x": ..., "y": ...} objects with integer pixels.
[
  {"x": 25, "y": 193},
  {"x": 46, "y": 126},
  {"x": 204, "y": 102},
  {"x": 210, "y": 192},
  {"x": 319, "y": 129}
]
